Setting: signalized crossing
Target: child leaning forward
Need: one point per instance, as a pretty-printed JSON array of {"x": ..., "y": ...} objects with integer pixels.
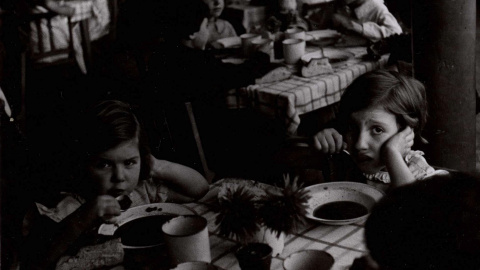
[
  {"x": 116, "y": 162},
  {"x": 380, "y": 114}
]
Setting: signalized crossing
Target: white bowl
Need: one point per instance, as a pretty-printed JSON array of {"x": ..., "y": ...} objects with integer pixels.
[
  {"x": 196, "y": 266},
  {"x": 359, "y": 193},
  {"x": 309, "y": 259},
  {"x": 146, "y": 210}
]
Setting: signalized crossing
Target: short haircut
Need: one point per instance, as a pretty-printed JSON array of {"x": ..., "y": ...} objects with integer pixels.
[
  {"x": 109, "y": 123},
  {"x": 430, "y": 224},
  {"x": 400, "y": 95}
]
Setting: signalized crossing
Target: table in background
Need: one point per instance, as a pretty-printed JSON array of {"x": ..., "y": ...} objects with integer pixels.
[
  {"x": 344, "y": 243},
  {"x": 288, "y": 99}
]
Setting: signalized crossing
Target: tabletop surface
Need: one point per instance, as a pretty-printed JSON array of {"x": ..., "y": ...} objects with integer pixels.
[
  {"x": 288, "y": 99},
  {"x": 344, "y": 243}
]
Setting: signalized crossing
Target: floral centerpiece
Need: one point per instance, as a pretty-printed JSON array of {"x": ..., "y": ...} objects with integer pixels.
[{"x": 261, "y": 213}]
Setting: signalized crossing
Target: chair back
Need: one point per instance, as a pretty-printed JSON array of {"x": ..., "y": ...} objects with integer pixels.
[{"x": 50, "y": 39}]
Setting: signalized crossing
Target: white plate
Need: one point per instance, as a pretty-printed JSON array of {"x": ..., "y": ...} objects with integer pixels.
[
  {"x": 321, "y": 194},
  {"x": 144, "y": 211},
  {"x": 334, "y": 55},
  {"x": 321, "y": 34},
  {"x": 235, "y": 61},
  {"x": 229, "y": 42}
]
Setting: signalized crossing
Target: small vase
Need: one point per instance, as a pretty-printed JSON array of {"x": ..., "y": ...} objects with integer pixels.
[
  {"x": 266, "y": 235},
  {"x": 254, "y": 256}
]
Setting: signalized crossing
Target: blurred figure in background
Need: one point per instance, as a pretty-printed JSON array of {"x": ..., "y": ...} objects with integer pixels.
[
  {"x": 369, "y": 19},
  {"x": 433, "y": 224},
  {"x": 217, "y": 28}
]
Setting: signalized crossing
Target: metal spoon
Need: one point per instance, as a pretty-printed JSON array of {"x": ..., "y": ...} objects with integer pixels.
[{"x": 124, "y": 202}]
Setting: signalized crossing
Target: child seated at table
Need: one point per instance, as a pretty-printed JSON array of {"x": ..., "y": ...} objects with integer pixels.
[
  {"x": 217, "y": 28},
  {"x": 115, "y": 161},
  {"x": 433, "y": 224},
  {"x": 369, "y": 19},
  {"x": 380, "y": 115},
  {"x": 284, "y": 15}
]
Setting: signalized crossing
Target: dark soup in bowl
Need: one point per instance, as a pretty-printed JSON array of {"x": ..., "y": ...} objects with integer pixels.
[
  {"x": 340, "y": 210},
  {"x": 143, "y": 231}
]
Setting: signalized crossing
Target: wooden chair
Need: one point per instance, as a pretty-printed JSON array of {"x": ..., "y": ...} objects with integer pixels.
[
  {"x": 48, "y": 51},
  {"x": 209, "y": 175}
]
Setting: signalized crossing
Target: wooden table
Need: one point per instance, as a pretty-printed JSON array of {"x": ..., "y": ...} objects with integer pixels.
[
  {"x": 344, "y": 243},
  {"x": 288, "y": 99}
]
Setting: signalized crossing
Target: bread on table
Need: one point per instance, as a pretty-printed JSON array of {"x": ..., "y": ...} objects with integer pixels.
[
  {"x": 277, "y": 74},
  {"x": 317, "y": 66}
]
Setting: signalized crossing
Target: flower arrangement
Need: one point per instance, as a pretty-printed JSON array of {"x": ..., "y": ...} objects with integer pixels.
[{"x": 242, "y": 213}]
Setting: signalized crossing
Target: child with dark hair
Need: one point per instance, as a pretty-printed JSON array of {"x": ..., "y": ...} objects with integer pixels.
[
  {"x": 432, "y": 224},
  {"x": 380, "y": 115},
  {"x": 369, "y": 19},
  {"x": 116, "y": 167}
]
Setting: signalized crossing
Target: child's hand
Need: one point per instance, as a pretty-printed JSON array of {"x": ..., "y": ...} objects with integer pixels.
[
  {"x": 329, "y": 141},
  {"x": 106, "y": 208},
  {"x": 200, "y": 38},
  {"x": 401, "y": 142},
  {"x": 342, "y": 21}
]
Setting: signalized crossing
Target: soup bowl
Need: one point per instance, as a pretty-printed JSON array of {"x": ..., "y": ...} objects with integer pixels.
[{"x": 341, "y": 203}]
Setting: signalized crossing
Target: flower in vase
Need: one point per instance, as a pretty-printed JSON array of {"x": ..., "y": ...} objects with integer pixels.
[
  {"x": 237, "y": 213},
  {"x": 283, "y": 210}
]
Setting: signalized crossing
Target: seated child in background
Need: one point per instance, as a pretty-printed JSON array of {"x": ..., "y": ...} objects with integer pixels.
[
  {"x": 380, "y": 114},
  {"x": 285, "y": 15},
  {"x": 115, "y": 161},
  {"x": 217, "y": 28},
  {"x": 433, "y": 224},
  {"x": 369, "y": 19}
]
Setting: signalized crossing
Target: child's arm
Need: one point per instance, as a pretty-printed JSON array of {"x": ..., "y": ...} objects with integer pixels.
[
  {"x": 185, "y": 183},
  {"x": 393, "y": 151},
  {"x": 45, "y": 246},
  {"x": 384, "y": 26}
]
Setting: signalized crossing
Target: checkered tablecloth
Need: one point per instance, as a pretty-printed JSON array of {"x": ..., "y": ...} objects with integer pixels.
[
  {"x": 344, "y": 243},
  {"x": 291, "y": 98}
]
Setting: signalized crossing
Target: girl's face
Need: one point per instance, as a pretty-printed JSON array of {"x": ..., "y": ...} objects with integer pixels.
[
  {"x": 215, "y": 6},
  {"x": 117, "y": 170},
  {"x": 369, "y": 130}
]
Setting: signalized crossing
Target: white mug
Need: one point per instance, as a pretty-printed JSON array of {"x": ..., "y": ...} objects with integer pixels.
[
  {"x": 293, "y": 50},
  {"x": 247, "y": 40},
  {"x": 187, "y": 240}
]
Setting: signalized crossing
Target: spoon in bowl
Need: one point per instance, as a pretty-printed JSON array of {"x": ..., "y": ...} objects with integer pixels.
[{"x": 124, "y": 201}]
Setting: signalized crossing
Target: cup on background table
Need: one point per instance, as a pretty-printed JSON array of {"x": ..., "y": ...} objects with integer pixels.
[
  {"x": 187, "y": 240},
  {"x": 254, "y": 256},
  {"x": 293, "y": 50},
  {"x": 264, "y": 45},
  {"x": 247, "y": 40},
  {"x": 294, "y": 33}
]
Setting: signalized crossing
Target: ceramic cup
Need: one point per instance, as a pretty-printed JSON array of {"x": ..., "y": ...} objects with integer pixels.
[
  {"x": 309, "y": 259},
  {"x": 195, "y": 266},
  {"x": 247, "y": 40},
  {"x": 263, "y": 45},
  {"x": 293, "y": 50},
  {"x": 294, "y": 33},
  {"x": 186, "y": 238},
  {"x": 254, "y": 256}
]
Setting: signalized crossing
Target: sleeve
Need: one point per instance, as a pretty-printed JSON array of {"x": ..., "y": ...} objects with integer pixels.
[
  {"x": 109, "y": 253},
  {"x": 384, "y": 26},
  {"x": 156, "y": 191},
  {"x": 419, "y": 166}
]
